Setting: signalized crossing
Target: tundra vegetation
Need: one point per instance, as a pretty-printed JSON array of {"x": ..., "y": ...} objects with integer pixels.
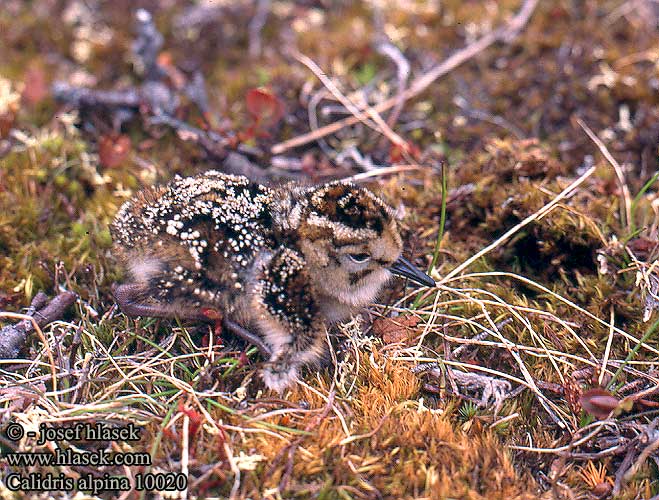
[{"x": 518, "y": 141}]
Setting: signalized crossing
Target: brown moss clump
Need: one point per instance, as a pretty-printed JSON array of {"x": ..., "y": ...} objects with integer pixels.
[{"x": 398, "y": 449}]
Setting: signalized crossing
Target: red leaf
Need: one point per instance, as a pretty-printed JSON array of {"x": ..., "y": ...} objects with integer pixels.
[
  {"x": 265, "y": 107},
  {"x": 598, "y": 402},
  {"x": 6, "y": 123},
  {"x": 36, "y": 86},
  {"x": 243, "y": 360},
  {"x": 113, "y": 150},
  {"x": 398, "y": 152},
  {"x": 195, "y": 420},
  {"x": 393, "y": 330}
]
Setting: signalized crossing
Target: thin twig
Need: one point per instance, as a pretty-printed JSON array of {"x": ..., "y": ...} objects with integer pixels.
[
  {"x": 647, "y": 451},
  {"x": 13, "y": 337},
  {"x": 380, "y": 172},
  {"x": 388, "y": 49}
]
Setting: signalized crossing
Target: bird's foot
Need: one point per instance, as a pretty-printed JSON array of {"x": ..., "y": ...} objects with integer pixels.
[
  {"x": 215, "y": 317},
  {"x": 279, "y": 376}
]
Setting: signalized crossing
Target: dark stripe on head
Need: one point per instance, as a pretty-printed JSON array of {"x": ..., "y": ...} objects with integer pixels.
[
  {"x": 355, "y": 277},
  {"x": 351, "y": 206}
]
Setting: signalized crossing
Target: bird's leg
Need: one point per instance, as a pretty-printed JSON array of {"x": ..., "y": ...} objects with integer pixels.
[
  {"x": 284, "y": 364},
  {"x": 280, "y": 371},
  {"x": 247, "y": 336},
  {"x": 214, "y": 316},
  {"x": 128, "y": 297},
  {"x": 222, "y": 322}
]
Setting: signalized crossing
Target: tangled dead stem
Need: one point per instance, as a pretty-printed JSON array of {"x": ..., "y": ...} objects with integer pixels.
[{"x": 519, "y": 141}]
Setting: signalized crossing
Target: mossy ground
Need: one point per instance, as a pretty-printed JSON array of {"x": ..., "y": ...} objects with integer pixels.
[{"x": 504, "y": 124}]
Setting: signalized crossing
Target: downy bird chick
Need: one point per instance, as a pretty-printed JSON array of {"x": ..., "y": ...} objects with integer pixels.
[{"x": 281, "y": 262}]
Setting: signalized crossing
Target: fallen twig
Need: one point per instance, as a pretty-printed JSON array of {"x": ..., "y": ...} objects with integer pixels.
[
  {"x": 493, "y": 391},
  {"x": 153, "y": 96},
  {"x": 157, "y": 100},
  {"x": 384, "y": 46},
  {"x": 256, "y": 26},
  {"x": 13, "y": 337},
  {"x": 360, "y": 110}
]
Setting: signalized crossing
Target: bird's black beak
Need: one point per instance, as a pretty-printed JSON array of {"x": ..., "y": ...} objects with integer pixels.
[{"x": 403, "y": 267}]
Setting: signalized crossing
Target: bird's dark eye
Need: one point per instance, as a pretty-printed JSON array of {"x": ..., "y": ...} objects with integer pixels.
[{"x": 359, "y": 258}]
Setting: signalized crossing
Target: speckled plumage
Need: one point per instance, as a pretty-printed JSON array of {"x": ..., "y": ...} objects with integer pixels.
[{"x": 282, "y": 262}]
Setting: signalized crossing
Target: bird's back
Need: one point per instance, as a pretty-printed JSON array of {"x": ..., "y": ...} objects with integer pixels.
[{"x": 194, "y": 236}]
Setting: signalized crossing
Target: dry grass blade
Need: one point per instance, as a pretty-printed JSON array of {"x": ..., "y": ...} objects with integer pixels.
[
  {"x": 607, "y": 351},
  {"x": 626, "y": 196},
  {"x": 531, "y": 218},
  {"x": 383, "y": 171},
  {"x": 572, "y": 304},
  {"x": 510, "y": 347},
  {"x": 418, "y": 86},
  {"x": 378, "y": 123}
]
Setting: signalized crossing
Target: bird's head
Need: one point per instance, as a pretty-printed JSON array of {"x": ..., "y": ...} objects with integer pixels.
[{"x": 351, "y": 243}]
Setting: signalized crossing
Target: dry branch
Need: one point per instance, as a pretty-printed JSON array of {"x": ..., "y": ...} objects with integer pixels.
[
  {"x": 157, "y": 99},
  {"x": 13, "y": 337}
]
